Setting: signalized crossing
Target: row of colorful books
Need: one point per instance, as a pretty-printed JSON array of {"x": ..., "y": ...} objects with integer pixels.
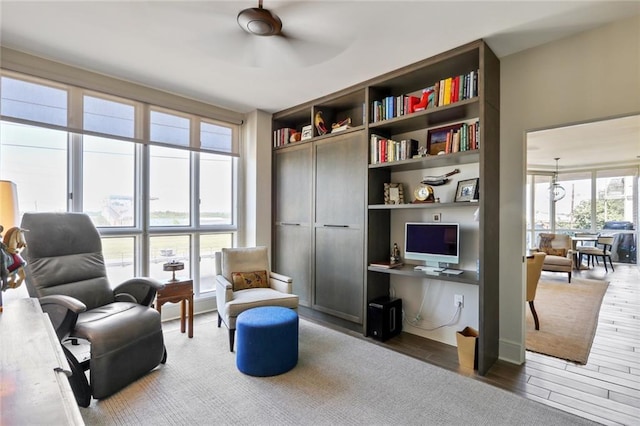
[
  {"x": 282, "y": 136},
  {"x": 384, "y": 150},
  {"x": 443, "y": 92}
]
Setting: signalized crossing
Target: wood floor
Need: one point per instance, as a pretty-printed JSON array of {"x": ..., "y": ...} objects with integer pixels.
[{"x": 605, "y": 390}]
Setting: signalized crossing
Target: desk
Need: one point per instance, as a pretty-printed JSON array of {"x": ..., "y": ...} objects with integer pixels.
[
  {"x": 174, "y": 292},
  {"x": 34, "y": 384}
]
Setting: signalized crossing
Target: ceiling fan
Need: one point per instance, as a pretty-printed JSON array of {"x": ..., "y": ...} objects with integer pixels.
[
  {"x": 261, "y": 41},
  {"x": 259, "y": 21}
]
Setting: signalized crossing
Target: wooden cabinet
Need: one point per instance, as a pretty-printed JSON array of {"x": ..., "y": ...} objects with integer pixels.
[
  {"x": 351, "y": 223},
  {"x": 293, "y": 224},
  {"x": 340, "y": 176}
]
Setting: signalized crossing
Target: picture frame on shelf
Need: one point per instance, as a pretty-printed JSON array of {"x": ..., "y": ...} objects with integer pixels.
[
  {"x": 307, "y": 132},
  {"x": 467, "y": 190},
  {"x": 437, "y": 139},
  {"x": 393, "y": 193}
]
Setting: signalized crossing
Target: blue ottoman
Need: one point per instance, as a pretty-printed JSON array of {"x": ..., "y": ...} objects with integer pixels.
[{"x": 267, "y": 341}]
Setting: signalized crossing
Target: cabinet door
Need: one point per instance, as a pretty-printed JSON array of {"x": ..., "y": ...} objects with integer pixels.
[
  {"x": 339, "y": 277},
  {"x": 292, "y": 228},
  {"x": 341, "y": 166},
  {"x": 339, "y": 225}
]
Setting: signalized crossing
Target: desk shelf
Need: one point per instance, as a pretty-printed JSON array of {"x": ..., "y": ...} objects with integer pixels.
[{"x": 466, "y": 277}]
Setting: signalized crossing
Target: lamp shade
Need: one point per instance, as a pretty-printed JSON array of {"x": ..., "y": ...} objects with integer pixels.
[{"x": 8, "y": 204}]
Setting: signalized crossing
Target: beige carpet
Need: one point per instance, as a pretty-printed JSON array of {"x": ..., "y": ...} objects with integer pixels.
[
  {"x": 568, "y": 315},
  {"x": 339, "y": 380}
]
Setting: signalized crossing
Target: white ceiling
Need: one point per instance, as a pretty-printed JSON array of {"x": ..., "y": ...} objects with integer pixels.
[
  {"x": 196, "y": 49},
  {"x": 614, "y": 141}
]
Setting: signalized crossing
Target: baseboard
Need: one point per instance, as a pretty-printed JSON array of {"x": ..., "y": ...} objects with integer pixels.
[
  {"x": 171, "y": 311},
  {"x": 512, "y": 352}
]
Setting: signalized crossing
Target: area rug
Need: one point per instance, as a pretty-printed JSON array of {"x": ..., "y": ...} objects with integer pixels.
[
  {"x": 568, "y": 315},
  {"x": 339, "y": 380}
]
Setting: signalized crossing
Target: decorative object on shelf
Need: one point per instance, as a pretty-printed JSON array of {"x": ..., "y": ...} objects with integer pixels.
[
  {"x": 341, "y": 125},
  {"x": 467, "y": 190},
  {"x": 422, "y": 152},
  {"x": 395, "y": 254},
  {"x": 173, "y": 266},
  {"x": 295, "y": 137},
  {"x": 307, "y": 132},
  {"x": 439, "y": 180},
  {"x": 393, "y": 193},
  {"x": 424, "y": 194},
  {"x": 557, "y": 191},
  {"x": 425, "y": 101},
  {"x": 321, "y": 128}
]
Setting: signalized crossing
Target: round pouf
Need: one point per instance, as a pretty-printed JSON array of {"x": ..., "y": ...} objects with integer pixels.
[{"x": 267, "y": 341}]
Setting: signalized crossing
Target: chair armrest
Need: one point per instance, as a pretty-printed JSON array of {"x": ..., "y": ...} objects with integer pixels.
[
  {"x": 224, "y": 289},
  {"x": 63, "y": 312},
  {"x": 282, "y": 283},
  {"x": 142, "y": 289},
  {"x": 224, "y": 293}
]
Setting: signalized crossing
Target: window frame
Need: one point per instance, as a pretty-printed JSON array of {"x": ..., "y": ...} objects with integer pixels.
[{"x": 141, "y": 231}]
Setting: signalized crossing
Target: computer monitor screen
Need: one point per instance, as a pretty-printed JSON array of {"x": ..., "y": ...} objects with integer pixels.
[{"x": 432, "y": 242}]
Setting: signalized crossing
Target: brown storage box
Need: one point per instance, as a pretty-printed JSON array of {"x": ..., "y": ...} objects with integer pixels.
[{"x": 467, "y": 341}]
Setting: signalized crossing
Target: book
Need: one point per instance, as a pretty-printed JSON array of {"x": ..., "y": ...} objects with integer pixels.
[{"x": 386, "y": 264}]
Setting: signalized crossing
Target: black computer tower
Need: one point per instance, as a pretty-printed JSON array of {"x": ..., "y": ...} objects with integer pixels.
[{"x": 384, "y": 318}]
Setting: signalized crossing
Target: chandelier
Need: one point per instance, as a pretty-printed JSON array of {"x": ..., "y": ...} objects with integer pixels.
[{"x": 556, "y": 190}]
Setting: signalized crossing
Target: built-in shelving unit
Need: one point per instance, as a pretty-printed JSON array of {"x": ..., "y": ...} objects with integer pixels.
[{"x": 335, "y": 172}]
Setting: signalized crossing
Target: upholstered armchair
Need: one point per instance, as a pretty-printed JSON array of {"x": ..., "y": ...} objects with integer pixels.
[
  {"x": 558, "y": 248},
  {"x": 244, "y": 281},
  {"x": 65, "y": 271},
  {"x": 534, "y": 270}
]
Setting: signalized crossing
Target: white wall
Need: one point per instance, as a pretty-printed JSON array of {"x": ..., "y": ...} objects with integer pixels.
[
  {"x": 255, "y": 181},
  {"x": 592, "y": 75}
]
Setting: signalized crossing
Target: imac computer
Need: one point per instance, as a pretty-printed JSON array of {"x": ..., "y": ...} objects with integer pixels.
[{"x": 432, "y": 243}]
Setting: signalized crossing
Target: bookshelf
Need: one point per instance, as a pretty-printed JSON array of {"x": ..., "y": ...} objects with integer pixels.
[{"x": 366, "y": 177}]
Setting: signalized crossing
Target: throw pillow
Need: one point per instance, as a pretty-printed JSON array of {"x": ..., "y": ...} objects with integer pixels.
[
  {"x": 562, "y": 252},
  {"x": 245, "y": 280}
]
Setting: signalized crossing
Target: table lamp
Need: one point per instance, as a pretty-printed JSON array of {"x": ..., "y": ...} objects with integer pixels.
[{"x": 8, "y": 210}]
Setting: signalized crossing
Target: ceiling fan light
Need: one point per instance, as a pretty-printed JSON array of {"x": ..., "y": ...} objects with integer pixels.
[{"x": 259, "y": 28}]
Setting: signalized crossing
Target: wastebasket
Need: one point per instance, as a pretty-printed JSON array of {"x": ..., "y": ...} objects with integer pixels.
[{"x": 467, "y": 341}]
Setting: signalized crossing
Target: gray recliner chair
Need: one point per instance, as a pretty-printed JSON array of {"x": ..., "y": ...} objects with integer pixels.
[{"x": 65, "y": 270}]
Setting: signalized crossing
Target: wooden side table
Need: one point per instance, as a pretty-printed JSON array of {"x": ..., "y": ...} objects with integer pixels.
[{"x": 174, "y": 292}]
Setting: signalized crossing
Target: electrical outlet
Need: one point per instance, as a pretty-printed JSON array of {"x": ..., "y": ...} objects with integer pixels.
[
  {"x": 458, "y": 300},
  {"x": 437, "y": 217}
]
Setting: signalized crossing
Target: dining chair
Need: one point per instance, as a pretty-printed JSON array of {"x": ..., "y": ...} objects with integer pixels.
[
  {"x": 582, "y": 240},
  {"x": 602, "y": 250}
]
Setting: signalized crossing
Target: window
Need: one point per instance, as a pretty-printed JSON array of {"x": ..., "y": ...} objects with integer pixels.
[
  {"x": 169, "y": 128},
  {"x": 209, "y": 244},
  {"x": 169, "y": 187},
  {"x": 108, "y": 181},
  {"x": 108, "y": 117},
  {"x": 35, "y": 159},
  {"x": 119, "y": 258},
  {"x": 33, "y": 101},
  {"x": 165, "y": 249},
  {"x": 107, "y": 169},
  {"x": 577, "y": 199},
  {"x": 216, "y": 189}
]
